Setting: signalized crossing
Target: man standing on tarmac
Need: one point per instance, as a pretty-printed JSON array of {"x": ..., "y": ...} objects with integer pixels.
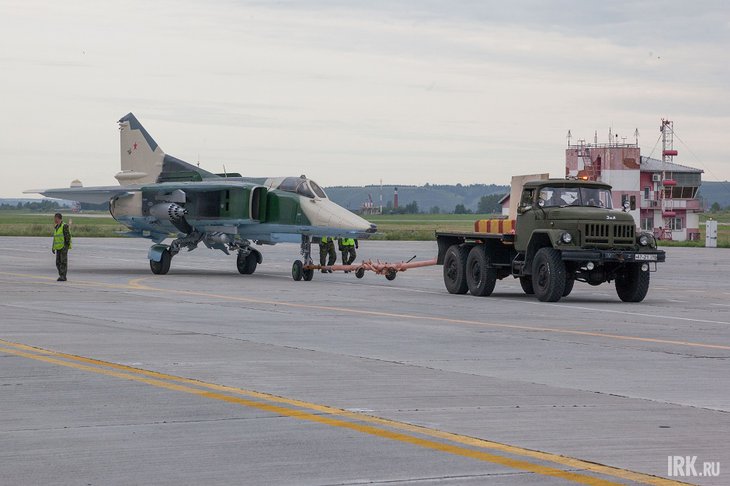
[
  {"x": 347, "y": 247},
  {"x": 327, "y": 248},
  {"x": 61, "y": 246}
]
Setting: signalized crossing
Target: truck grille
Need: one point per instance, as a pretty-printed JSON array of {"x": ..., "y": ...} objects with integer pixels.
[{"x": 609, "y": 234}]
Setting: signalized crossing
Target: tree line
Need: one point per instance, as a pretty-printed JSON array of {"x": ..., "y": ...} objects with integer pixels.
[{"x": 488, "y": 204}]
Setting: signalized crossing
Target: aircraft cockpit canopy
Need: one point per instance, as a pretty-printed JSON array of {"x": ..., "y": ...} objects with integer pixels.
[{"x": 302, "y": 186}]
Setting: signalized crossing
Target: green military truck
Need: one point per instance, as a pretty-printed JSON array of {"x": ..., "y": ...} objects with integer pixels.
[{"x": 565, "y": 231}]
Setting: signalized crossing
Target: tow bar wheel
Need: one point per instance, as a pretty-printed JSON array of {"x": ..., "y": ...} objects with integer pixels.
[{"x": 297, "y": 270}]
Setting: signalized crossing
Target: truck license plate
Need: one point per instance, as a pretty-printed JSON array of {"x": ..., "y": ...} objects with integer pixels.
[{"x": 645, "y": 257}]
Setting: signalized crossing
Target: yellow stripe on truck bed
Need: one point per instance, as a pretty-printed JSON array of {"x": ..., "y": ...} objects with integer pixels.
[{"x": 495, "y": 226}]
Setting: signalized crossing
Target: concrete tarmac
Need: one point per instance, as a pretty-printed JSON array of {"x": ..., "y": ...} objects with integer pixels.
[{"x": 206, "y": 376}]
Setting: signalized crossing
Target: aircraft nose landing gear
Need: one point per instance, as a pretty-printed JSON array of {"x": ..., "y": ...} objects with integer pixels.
[{"x": 298, "y": 270}]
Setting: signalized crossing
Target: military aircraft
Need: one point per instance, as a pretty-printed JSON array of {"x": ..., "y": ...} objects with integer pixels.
[{"x": 160, "y": 196}]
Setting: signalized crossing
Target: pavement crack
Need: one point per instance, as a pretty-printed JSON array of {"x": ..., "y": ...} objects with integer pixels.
[
  {"x": 143, "y": 424},
  {"x": 459, "y": 477}
]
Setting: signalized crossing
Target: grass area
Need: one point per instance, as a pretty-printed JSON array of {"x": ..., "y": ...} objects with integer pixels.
[
  {"x": 19, "y": 223},
  {"x": 413, "y": 227},
  {"x": 720, "y": 216},
  {"x": 421, "y": 227}
]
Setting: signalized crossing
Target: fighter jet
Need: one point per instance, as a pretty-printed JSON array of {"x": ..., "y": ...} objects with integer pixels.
[{"x": 160, "y": 197}]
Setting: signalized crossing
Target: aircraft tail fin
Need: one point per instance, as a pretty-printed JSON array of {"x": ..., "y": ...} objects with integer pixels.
[
  {"x": 141, "y": 157},
  {"x": 144, "y": 162}
]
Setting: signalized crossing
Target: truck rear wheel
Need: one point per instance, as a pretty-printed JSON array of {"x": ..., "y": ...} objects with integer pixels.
[
  {"x": 526, "y": 283},
  {"x": 455, "y": 269},
  {"x": 632, "y": 284},
  {"x": 548, "y": 275},
  {"x": 480, "y": 278}
]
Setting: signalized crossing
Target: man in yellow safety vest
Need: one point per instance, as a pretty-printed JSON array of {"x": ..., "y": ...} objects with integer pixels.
[
  {"x": 347, "y": 247},
  {"x": 327, "y": 248},
  {"x": 61, "y": 246}
]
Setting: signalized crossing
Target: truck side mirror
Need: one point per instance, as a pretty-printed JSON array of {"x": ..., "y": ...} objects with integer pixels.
[{"x": 632, "y": 199}]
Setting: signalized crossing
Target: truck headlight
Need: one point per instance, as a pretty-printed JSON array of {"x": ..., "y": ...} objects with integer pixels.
[
  {"x": 566, "y": 237},
  {"x": 645, "y": 239}
]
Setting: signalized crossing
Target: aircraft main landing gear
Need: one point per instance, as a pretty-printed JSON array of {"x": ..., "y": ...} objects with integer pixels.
[
  {"x": 160, "y": 259},
  {"x": 246, "y": 263}
]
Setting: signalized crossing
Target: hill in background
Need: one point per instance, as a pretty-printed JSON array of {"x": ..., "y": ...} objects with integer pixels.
[
  {"x": 715, "y": 192},
  {"x": 445, "y": 197}
]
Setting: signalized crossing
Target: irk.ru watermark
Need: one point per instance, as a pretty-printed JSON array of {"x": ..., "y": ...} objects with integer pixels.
[{"x": 687, "y": 467}]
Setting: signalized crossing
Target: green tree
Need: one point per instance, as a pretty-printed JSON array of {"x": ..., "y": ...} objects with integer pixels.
[
  {"x": 461, "y": 209},
  {"x": 435, "y": 210},
  {"x": 715, "y": 207},
  {"x": 411, "y": 208},
  {"x": 490, "y": 204}
]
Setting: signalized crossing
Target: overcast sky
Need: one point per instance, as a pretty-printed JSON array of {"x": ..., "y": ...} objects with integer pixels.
[{"x": 351, "y": 92}]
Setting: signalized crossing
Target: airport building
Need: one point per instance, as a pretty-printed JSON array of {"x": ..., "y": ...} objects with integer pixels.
[{"x": 661, "y": 194}]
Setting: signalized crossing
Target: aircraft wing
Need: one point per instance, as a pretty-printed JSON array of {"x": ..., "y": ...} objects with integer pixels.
[{"x": 91, "y": 195}]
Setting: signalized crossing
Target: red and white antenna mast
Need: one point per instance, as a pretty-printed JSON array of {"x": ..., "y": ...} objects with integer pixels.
[{"x": 668, "y": 154}]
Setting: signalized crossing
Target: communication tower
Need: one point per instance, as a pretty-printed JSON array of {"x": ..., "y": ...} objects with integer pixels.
[{"x": 667, "y": 183}]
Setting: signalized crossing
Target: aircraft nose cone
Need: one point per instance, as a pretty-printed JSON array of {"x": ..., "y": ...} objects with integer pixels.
[{"x": 373, "y": 228}]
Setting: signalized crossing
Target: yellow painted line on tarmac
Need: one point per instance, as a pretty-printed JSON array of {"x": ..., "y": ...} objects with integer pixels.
[
  {"x": 200, "y": 388},
  {"x": 136, "y": 284}
]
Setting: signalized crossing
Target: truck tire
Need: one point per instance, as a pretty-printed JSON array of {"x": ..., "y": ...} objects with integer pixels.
[
  {"x": 526, "y": 283},
  {"x": 632, "y": 284},
  {"x": 569, "y": 282},
  {"x": 548, "y": 275},
  {"x": 455, "y": 269},
  {"x": 480, "y": 277}
]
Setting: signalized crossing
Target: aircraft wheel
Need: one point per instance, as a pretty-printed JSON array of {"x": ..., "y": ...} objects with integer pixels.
[
  {"x": 391, "y": 273},
  {"x": 246, "y": 264},
  {"x": 297, "y": 270},
  {"x": 360, "y": 272},
  {"x": 308, "y": 275},
  {"x": 163, "y": 266}
]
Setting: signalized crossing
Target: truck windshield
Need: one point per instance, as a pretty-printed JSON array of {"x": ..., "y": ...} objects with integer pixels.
[{"x": 576, "y": 196}]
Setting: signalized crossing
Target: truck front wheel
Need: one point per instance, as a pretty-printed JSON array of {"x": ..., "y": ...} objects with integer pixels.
[
  {"x": 526, "y": 283},
  {"x": 480, "y": 277},
  {"x": 632, "y": 284},
  {"x": 548, "y": 275},
  {"x": 455, "y": 269},
  {"x": 569, "y": 282}
]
